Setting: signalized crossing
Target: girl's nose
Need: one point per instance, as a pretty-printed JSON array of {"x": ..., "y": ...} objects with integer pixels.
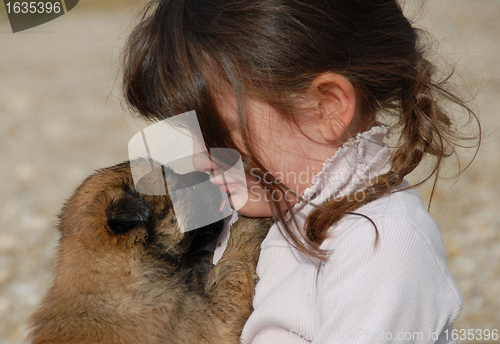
[
  {"x": 201, "y": 160},
  {"x": 202, "y": 163}
]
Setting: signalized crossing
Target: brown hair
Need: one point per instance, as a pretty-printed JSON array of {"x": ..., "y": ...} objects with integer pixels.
[{"x": 182, "y": 50}]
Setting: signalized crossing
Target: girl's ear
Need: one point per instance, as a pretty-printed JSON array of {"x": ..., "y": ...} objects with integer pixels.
[{"x": 335, "y": 97}]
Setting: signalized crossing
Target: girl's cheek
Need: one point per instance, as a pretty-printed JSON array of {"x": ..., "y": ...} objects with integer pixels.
[{"x": 256, "y": 193}]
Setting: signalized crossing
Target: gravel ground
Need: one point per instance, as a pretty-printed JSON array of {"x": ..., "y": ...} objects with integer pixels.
[{"x": 61, "y": 119}]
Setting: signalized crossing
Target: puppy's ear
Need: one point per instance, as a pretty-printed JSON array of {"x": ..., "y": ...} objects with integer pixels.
[{"x": 127, "y": 211}]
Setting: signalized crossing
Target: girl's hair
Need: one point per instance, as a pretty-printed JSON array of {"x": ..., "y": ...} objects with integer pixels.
[{"x": 183, "y": 51}]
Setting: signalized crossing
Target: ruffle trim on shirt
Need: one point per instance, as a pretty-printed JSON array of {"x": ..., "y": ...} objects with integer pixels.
[
  {"x": 357, "y": 162},
  {"x": 360, "y": 159}
]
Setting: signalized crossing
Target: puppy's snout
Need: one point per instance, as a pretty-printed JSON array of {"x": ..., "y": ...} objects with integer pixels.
[
  {"x": 206, "y": 196},
  {"x": 127, "y": 211}
]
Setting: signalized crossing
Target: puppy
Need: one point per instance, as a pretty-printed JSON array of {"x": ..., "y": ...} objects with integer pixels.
[{"x": 125, "y": 273}]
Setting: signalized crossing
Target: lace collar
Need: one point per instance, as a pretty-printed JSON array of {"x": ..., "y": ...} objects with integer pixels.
[{"x": 354, "y": 165}]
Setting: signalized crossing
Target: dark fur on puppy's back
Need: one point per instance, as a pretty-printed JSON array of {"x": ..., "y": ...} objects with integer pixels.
[{"x": 125, "y": 273}]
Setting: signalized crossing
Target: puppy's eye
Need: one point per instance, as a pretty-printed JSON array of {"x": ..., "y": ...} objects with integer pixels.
[{"x": 127, "y": 211}]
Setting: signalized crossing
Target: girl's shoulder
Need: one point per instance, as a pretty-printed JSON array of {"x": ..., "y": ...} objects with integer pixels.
[
  {"x": 404, "y": 207},
  {"x": 392, "y": 264},
  {"x": 396, "y": 225}
]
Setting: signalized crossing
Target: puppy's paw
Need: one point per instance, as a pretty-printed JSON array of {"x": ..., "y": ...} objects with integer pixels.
[{"x": 246, "y": 236}]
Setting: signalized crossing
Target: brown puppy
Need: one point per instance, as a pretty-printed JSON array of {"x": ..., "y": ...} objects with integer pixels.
[{"x": 125, "y": 273}]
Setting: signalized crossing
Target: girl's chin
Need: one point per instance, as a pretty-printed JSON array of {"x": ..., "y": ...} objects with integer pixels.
[{"x": 255, "y": 209}]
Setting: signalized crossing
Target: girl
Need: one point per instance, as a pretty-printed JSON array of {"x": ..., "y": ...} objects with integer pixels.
[{"x": 307, "y": 91}]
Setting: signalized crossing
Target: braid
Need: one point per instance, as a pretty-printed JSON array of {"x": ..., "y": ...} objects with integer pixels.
[{"x": 424, "y": 129}]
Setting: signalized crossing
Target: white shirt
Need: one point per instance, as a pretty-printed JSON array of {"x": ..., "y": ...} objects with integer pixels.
[{"x": 399, "y": 291}]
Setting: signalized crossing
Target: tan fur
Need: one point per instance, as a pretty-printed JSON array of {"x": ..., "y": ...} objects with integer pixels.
[{"x": 143, "y": 285}]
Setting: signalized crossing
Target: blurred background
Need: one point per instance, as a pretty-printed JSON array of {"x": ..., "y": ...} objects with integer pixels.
[{"x": 61, "y": 118}]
